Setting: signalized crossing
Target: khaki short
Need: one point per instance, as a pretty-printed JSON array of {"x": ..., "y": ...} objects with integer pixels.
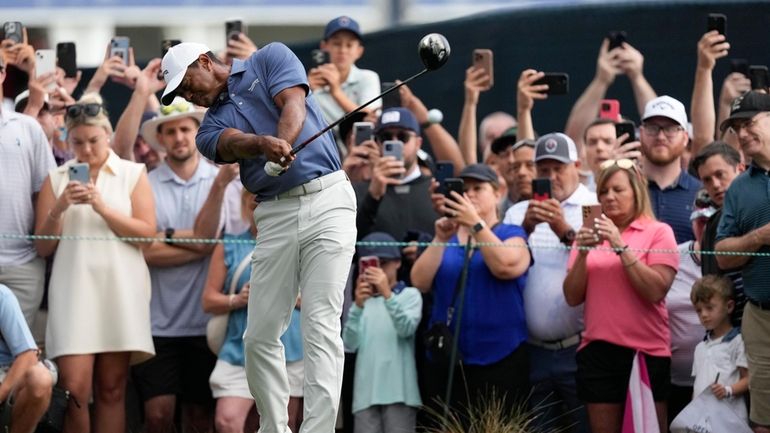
[{"x": 755, "y": 328}]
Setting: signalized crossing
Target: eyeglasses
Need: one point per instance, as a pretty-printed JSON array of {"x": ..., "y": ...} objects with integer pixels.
[
  {"x": 90, "y": 110},
  {"x": 402, "y": 136},
  {"x": 653, "y": 130},
  {"x": 178, "y": 107},
  {"x": 625, "y": 164},
  {"x": 736, "y": 126}
]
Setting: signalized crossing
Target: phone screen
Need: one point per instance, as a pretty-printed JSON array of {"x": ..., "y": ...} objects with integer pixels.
[
  {"x": 558, "y": 83},
  {"x": 541, "y": 189},
  {"x": 625, "y": 128}
]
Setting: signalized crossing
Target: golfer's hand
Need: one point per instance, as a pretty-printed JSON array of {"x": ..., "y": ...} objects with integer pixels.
[{"x": 275, "y": 148}]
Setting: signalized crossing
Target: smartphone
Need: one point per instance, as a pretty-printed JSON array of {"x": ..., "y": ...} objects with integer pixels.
[
  {"x": 165, "y": 44},
  {"x": 119, "y": 47},
  {"x": 394, "y": 148},
  {"x": 363, "y": 131},
  {"x": 444, "y": 170},
  {"x": 320, "y": 57},
  {"x": 760, "y": 79},
  {"x": 392, "y": 99},
  {"x": 45, "y": 62},
  {"x": 717, "y": 22},
  {"x": 482, "y": 58},
  {"x": 14, "y": 31},
  {"x": 412, "y": 236},
  {"x": 616, "y": 38},
  {"x": 609, "y": 109},
  {"x": 453, "y": 184},
  {"x": 558, "y": 83},
  {"x": 367, "y": 262},
  {"x": 233, "y": 28},
  {"x": 590, "y": 214},
  {"x": 740, "y": 65},
  {"x": 79, "y": 173},
  {"x": 66, "y": 58},
  {"x": 626, "y": 128},
  {"x": 541, "y": 189}
]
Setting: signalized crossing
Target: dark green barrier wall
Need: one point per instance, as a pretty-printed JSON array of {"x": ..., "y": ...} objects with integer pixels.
[{"x": 566, "y": 39}]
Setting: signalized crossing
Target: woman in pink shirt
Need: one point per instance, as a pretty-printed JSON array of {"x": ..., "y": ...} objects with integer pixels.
[{"x": 623, "y": 285}]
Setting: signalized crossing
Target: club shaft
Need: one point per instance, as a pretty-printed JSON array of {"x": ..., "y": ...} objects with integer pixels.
[{"x": 356, "y": 110}]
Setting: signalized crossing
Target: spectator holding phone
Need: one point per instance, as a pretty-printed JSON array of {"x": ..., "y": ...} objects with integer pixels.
[
  {"x": 99, "y": 295},
  {"x": 340, "y": 86},
  {"x": 601, "y": 142},
  {"x": 228, "y": 268},
  {"x": 515, "y": 160},
  {"x": 712, "y": 46},
  {"x": 25, "y": 170},
  {"x": 493, "y": 329},
  {"x": 554, "y": 327},
  {"x": 381, "y": 329},
  {"x": 623, "y": 290}
]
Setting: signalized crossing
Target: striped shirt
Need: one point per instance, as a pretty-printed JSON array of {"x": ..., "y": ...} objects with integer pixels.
[
  {"x": 746, "y": 208},
  {"x": 673, "y": 204}
]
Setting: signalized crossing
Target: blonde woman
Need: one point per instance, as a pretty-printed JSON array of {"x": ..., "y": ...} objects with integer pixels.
[{"x": 99, "y": 295}]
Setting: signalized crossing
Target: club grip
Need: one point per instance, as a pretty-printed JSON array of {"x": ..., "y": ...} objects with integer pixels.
[{"x": 274, "y": 169}]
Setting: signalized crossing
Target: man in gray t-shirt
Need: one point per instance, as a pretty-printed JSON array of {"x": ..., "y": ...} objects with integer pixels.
[{"x": 25, "y": 159}]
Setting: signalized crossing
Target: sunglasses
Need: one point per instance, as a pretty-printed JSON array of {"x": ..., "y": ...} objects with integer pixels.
[
  {"x": 402, "y": 136},
  {"x": 89, "y": 110},
  {"x": 625, "y": 164},
  {"x": 178, "y": 107}
]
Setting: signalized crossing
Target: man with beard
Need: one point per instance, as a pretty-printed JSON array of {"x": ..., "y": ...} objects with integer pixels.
[
  {"x": 183, "y": 361},
  {"x": 664, "y": 139}
]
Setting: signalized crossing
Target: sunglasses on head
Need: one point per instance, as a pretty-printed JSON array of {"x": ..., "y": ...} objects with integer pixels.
[
  {"x": 402, "y": 136},
  {"x": 90, "y": 110},
  {"x": 625, "y": 164},
  {"x": 178, "y": 107}
]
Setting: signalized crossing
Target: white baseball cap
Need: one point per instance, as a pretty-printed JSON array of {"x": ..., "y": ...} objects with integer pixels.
[
  {"x": 174, "y": 65},
  {"x": 666, "y": 106}
]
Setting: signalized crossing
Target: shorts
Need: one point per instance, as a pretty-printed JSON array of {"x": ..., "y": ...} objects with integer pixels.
[
  {"x": 756, "y": 339},
  {"x": 181, "y": 367},
  {"x": 296, "y": 372},
  {"x": 228, "y": 380},
  {"x": 603, "y": 371}
]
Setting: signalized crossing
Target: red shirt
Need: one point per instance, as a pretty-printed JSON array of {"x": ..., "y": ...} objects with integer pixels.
[{"x": 614, "y": 311}]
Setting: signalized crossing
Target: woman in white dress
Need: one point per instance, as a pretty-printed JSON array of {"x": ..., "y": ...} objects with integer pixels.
[{"x": 99, "y": 295}]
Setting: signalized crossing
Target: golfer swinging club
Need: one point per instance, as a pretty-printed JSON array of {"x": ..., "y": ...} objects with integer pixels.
[{"x": 306, "y": 218}]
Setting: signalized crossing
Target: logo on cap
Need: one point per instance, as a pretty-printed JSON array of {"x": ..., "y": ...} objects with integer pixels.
[
  {"x": 344, "y": 21},
  {"x": 737, "y": 103},
  {"x": 391, "y": 117},
  {"x": 663, "y": 105},
  {"x": 551, "y": 145}
]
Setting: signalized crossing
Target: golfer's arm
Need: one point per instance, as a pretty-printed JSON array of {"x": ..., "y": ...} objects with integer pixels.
[
  {"x": 291, "y": 102},
  {"x": 234, "y": 144}
]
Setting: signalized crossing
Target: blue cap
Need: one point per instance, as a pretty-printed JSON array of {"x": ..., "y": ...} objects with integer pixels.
[
  {"x": 381, "y": 251},
  {"x": 397, "y": 117},
  {"x": 342, "y": 23}
]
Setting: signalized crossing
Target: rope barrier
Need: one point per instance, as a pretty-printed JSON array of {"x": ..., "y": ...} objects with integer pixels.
[{"x": 558, "y": 246}]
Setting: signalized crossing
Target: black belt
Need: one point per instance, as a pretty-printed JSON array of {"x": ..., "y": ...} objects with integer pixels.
[{"x": 762, "y": 305}]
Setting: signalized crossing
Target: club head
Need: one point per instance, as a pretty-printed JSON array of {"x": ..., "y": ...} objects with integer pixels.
[{"x": 434, "y": 51}]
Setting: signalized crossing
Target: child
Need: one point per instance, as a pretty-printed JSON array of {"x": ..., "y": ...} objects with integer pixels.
[
  {"x": 339, "y": 86},
  {"x": 381, "y": 327},
  {"x": 720, "y": 359}
]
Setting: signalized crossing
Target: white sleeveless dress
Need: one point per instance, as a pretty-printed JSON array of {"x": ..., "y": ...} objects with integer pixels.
[{"x": 99, "y": 295}]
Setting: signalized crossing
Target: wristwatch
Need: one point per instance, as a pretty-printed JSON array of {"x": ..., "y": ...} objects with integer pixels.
[
  {"x": 568, "y": 238},
  {"x": 479, "y": 226},
  {"x": 169, "y": 234}
]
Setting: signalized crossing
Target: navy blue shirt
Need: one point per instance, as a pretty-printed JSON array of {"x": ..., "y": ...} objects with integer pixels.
[
  {"x": 746, "y": 208},
  {"x": 673, "y": 205},
  {"x": 493, "y": 323},
  {"x": 248, "y": 105}
]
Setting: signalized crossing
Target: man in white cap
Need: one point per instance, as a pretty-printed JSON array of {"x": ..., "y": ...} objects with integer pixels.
[
  {"x": 180, "y": 370},
  {"x": 663, "y": 135},
  {"x": 306, "y": 218}
]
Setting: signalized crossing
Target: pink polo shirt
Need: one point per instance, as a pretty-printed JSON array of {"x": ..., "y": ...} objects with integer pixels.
[{"x": 614, "y": 311}]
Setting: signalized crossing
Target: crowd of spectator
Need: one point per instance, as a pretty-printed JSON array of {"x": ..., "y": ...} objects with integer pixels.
[{"x": 549, "y": 295}]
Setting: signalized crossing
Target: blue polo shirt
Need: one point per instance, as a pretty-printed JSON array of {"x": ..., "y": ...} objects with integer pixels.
[
  {"x": 248, "y": 105},
  {"x": 493, "y": 324},
  {"x": 746, "y": 208},
  {"x": 15, "y": 336},
  {"x": 673, "y": 204}
]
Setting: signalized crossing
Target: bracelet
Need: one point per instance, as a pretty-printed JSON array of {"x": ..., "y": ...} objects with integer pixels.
[
  {"x": 622, "y": 250},
  {"x": 230, "y": 301},
  {"x": 729, "y": 391}
]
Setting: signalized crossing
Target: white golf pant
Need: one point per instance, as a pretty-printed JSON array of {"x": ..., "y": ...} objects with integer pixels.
[{"x": 303, "y": 241}]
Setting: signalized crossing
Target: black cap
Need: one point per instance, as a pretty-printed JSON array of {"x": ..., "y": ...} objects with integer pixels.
[
  {"x": 347, "y": 125},
  {"x": 384, "y": 252},
  {"x": 507, "y": 138},
  {"x": 480, "y": 172},
  {"x": 747, "y": 106}
]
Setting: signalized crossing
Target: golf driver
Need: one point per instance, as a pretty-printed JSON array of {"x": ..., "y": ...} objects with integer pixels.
[{"x": 434, "y": 52}]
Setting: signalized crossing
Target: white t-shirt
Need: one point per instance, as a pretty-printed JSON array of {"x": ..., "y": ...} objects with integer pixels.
[{"x": 721, "y": 356}]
